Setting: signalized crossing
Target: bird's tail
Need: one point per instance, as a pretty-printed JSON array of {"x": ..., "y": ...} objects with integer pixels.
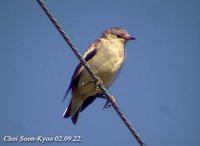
[{"x": 73, "y": 110}]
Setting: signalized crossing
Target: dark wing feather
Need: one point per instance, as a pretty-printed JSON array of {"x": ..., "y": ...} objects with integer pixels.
[
  {"x": 90, "y": 55},
  {"x": 90, "y": 52},
  {"x": 89, "y": 100},
  {"x": 74, "y": 79}
]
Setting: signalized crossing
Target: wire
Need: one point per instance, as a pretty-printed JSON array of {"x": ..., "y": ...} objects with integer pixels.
[{"x": 90, "y": 71}]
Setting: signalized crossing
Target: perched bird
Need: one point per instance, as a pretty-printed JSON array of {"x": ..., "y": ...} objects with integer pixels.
[{"x": 105, "y": 56}]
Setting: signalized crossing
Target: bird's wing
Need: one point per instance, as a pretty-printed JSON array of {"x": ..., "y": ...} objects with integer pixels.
[
  {"x": 90, "y": 52},
  {"x": 89, "y": 100}
]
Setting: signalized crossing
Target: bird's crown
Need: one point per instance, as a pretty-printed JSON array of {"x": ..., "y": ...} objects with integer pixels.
[{"x": 116, "y": 32}]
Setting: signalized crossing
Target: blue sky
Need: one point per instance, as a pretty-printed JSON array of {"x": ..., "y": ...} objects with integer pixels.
[{"x": 158, "y": 88}]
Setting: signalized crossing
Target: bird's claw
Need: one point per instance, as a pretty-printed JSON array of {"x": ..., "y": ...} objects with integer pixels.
[
  {"x": 97, "y": 83},
  {"x": 109, "y": 103}
]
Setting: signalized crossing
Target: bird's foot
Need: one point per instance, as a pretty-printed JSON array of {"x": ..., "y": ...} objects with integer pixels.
[
  {"x": 83, "y": 84},
  {"x": 110, "y": 103},
  {"x": 92, "y": 81},
  {"x": 97, "y": 83}
]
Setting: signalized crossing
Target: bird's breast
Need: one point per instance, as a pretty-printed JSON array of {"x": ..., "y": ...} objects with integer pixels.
[
  {"x": 110, "y": 63},
  {"x": 106, "y": 64}
]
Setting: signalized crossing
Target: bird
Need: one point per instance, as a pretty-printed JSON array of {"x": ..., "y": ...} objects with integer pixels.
[{"x": 106, "y": 57}]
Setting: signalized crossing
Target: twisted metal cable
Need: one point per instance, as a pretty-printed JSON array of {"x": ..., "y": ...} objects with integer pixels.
[{"x": 90, "y": 71}]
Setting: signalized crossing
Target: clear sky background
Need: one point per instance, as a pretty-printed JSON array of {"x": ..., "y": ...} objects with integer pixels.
[{"x": 158, "y": 88}]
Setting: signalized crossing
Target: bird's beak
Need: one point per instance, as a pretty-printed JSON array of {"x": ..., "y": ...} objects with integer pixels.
[{"x": 130, "y": 38}]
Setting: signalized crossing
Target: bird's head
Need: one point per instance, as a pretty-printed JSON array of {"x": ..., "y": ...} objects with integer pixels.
[{"x": 117, "y": 34}]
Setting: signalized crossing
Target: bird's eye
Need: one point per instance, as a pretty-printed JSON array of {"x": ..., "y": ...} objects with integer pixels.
[{"x": 119, "y": 36}]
